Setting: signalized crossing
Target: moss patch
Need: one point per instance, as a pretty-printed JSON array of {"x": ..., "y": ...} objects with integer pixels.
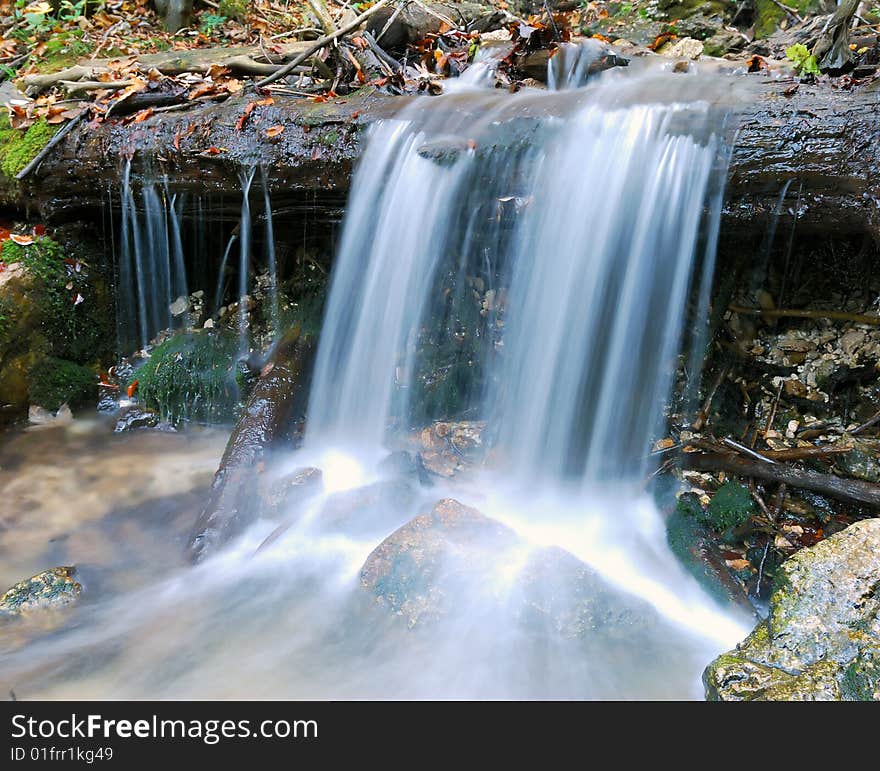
[
  {"x": 730, "y": 507},
  {"x": 18, "y": 149},
  {"x": 191, "y": 376},
  {"x": 53, "y": 382},
  {"x": 75, "y": 314}
]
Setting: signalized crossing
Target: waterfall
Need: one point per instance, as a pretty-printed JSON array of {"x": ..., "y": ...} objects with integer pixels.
[{"x": 551, "y": 240}]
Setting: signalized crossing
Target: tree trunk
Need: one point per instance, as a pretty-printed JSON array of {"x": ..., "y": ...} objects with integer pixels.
[{"x": 176, "y": 14}]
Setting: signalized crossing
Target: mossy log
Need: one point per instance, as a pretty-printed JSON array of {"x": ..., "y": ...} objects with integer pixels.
[
  {"x": 278, "y": 395},
  {"x": 819, "y": 142}
]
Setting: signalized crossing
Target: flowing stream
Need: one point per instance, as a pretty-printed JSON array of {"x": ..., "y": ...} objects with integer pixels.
[{"x": 541, "y": 251}]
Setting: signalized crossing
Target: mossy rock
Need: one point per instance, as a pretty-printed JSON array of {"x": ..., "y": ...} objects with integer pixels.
[
  {"x": 73, "y": 307},
  {"x": 821, "y": 639},
  {"x": 689, "y": 540},
  {"x": 192, "y": 376},
  {"x": 53, "y": 382},
  {"x": 51, "y": 589}
]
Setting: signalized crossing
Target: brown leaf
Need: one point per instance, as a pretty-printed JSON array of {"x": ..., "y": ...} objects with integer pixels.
[
  {"x": 274, "y": 131},
  {"x": 143, "y": 115}
]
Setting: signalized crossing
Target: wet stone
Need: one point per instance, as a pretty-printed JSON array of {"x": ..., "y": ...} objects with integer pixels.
[
  {"x": 51, "y": 589},
  {"x": 136, "y": 418}
]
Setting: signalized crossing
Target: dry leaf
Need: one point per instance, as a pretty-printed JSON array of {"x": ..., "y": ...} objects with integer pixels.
[{"x": 274, "y": 131}]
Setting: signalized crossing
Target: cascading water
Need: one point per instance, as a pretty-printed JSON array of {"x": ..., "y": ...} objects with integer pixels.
[{"x": 584, "y": 216}]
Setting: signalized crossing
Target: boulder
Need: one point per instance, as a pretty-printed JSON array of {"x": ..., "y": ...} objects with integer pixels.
[{"x": 821, "y": 640}]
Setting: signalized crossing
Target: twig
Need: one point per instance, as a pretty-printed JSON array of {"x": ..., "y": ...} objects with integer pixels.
[
  {"x": 857, "y": 318},
  {"x": 734, "y": 445},
  {"x": 703, "y": 414},
  {"x": 788, "y": 9},
  {"x": 383, "y": 56},
  {"x": 805, "y": 453},
  {"x": 320, "y": 43},
  {"x": 872, "y": 421},
  {"x": 773, "y": 411},
  {"x": 49, "y": 145}
]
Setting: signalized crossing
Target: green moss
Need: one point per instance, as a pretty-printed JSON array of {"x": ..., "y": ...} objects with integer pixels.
[
  {"x": 53, "y": 382},
  {"x": 768, "y": 15},
  {"x": 686, "y": 535},
  {"x": 191, "y": 376},
  {"x": 731, "y": 506},
  {"x": 861, "y": 678},
  {"x": 17, "y": 150}
]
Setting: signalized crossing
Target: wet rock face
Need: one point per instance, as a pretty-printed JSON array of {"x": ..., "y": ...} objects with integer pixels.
[
  {"x": 52, "y": 589},
  {"x": 821, "y": 640}
]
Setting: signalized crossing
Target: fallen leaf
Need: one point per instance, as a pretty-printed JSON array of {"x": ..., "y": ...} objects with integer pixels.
[
  {"x": 274, "y": 131},
  {"x": 132, "y": 387},
  {"x": 21, "y": 240}
]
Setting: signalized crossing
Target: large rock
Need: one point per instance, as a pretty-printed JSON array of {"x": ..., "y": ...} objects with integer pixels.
[
  {"x": 821, "y": 640},
  {"x": 454, "y": 559}
]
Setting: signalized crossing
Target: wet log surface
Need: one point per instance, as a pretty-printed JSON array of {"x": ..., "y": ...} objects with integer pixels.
[
  {"x": 821, "y": 141},
  {"x": 278, "y": 395}
]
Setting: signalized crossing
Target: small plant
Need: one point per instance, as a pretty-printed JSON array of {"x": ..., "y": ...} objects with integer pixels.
[
  {"x": 803, "y": 61},
  {"x": 210, "y": 23}
]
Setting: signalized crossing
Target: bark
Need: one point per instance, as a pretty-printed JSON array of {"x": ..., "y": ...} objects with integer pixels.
[{"x": 278, "y": 395}]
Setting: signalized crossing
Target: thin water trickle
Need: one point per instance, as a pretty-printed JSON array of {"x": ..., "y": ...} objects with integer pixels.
[{"x": 152, "y": 272}]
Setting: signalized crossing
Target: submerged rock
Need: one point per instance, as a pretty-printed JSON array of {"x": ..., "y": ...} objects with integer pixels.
[
  {"x": 821, "y": 640},
  {"x": 290, "y": 490},
  {"x": 52, "y": 589}
]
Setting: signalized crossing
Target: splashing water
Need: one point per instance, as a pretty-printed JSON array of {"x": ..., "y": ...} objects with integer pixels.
[{"x": 569, "y": 67}]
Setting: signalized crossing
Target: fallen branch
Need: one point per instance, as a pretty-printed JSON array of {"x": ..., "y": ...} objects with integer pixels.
[
  {"x": 852, "y": 490},
  {"x": 832, "y": 50},
  {"x": 321, "y": 42},
  {"x": 50, "y": 144},
  {"x": 857, "y": 318}
]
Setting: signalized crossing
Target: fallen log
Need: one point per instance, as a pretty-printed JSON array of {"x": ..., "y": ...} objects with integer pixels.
[
  {"x": 852, "y": 490},
  {"x": 278, "y": 394},
  {"x": 822, "y": 140}
]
